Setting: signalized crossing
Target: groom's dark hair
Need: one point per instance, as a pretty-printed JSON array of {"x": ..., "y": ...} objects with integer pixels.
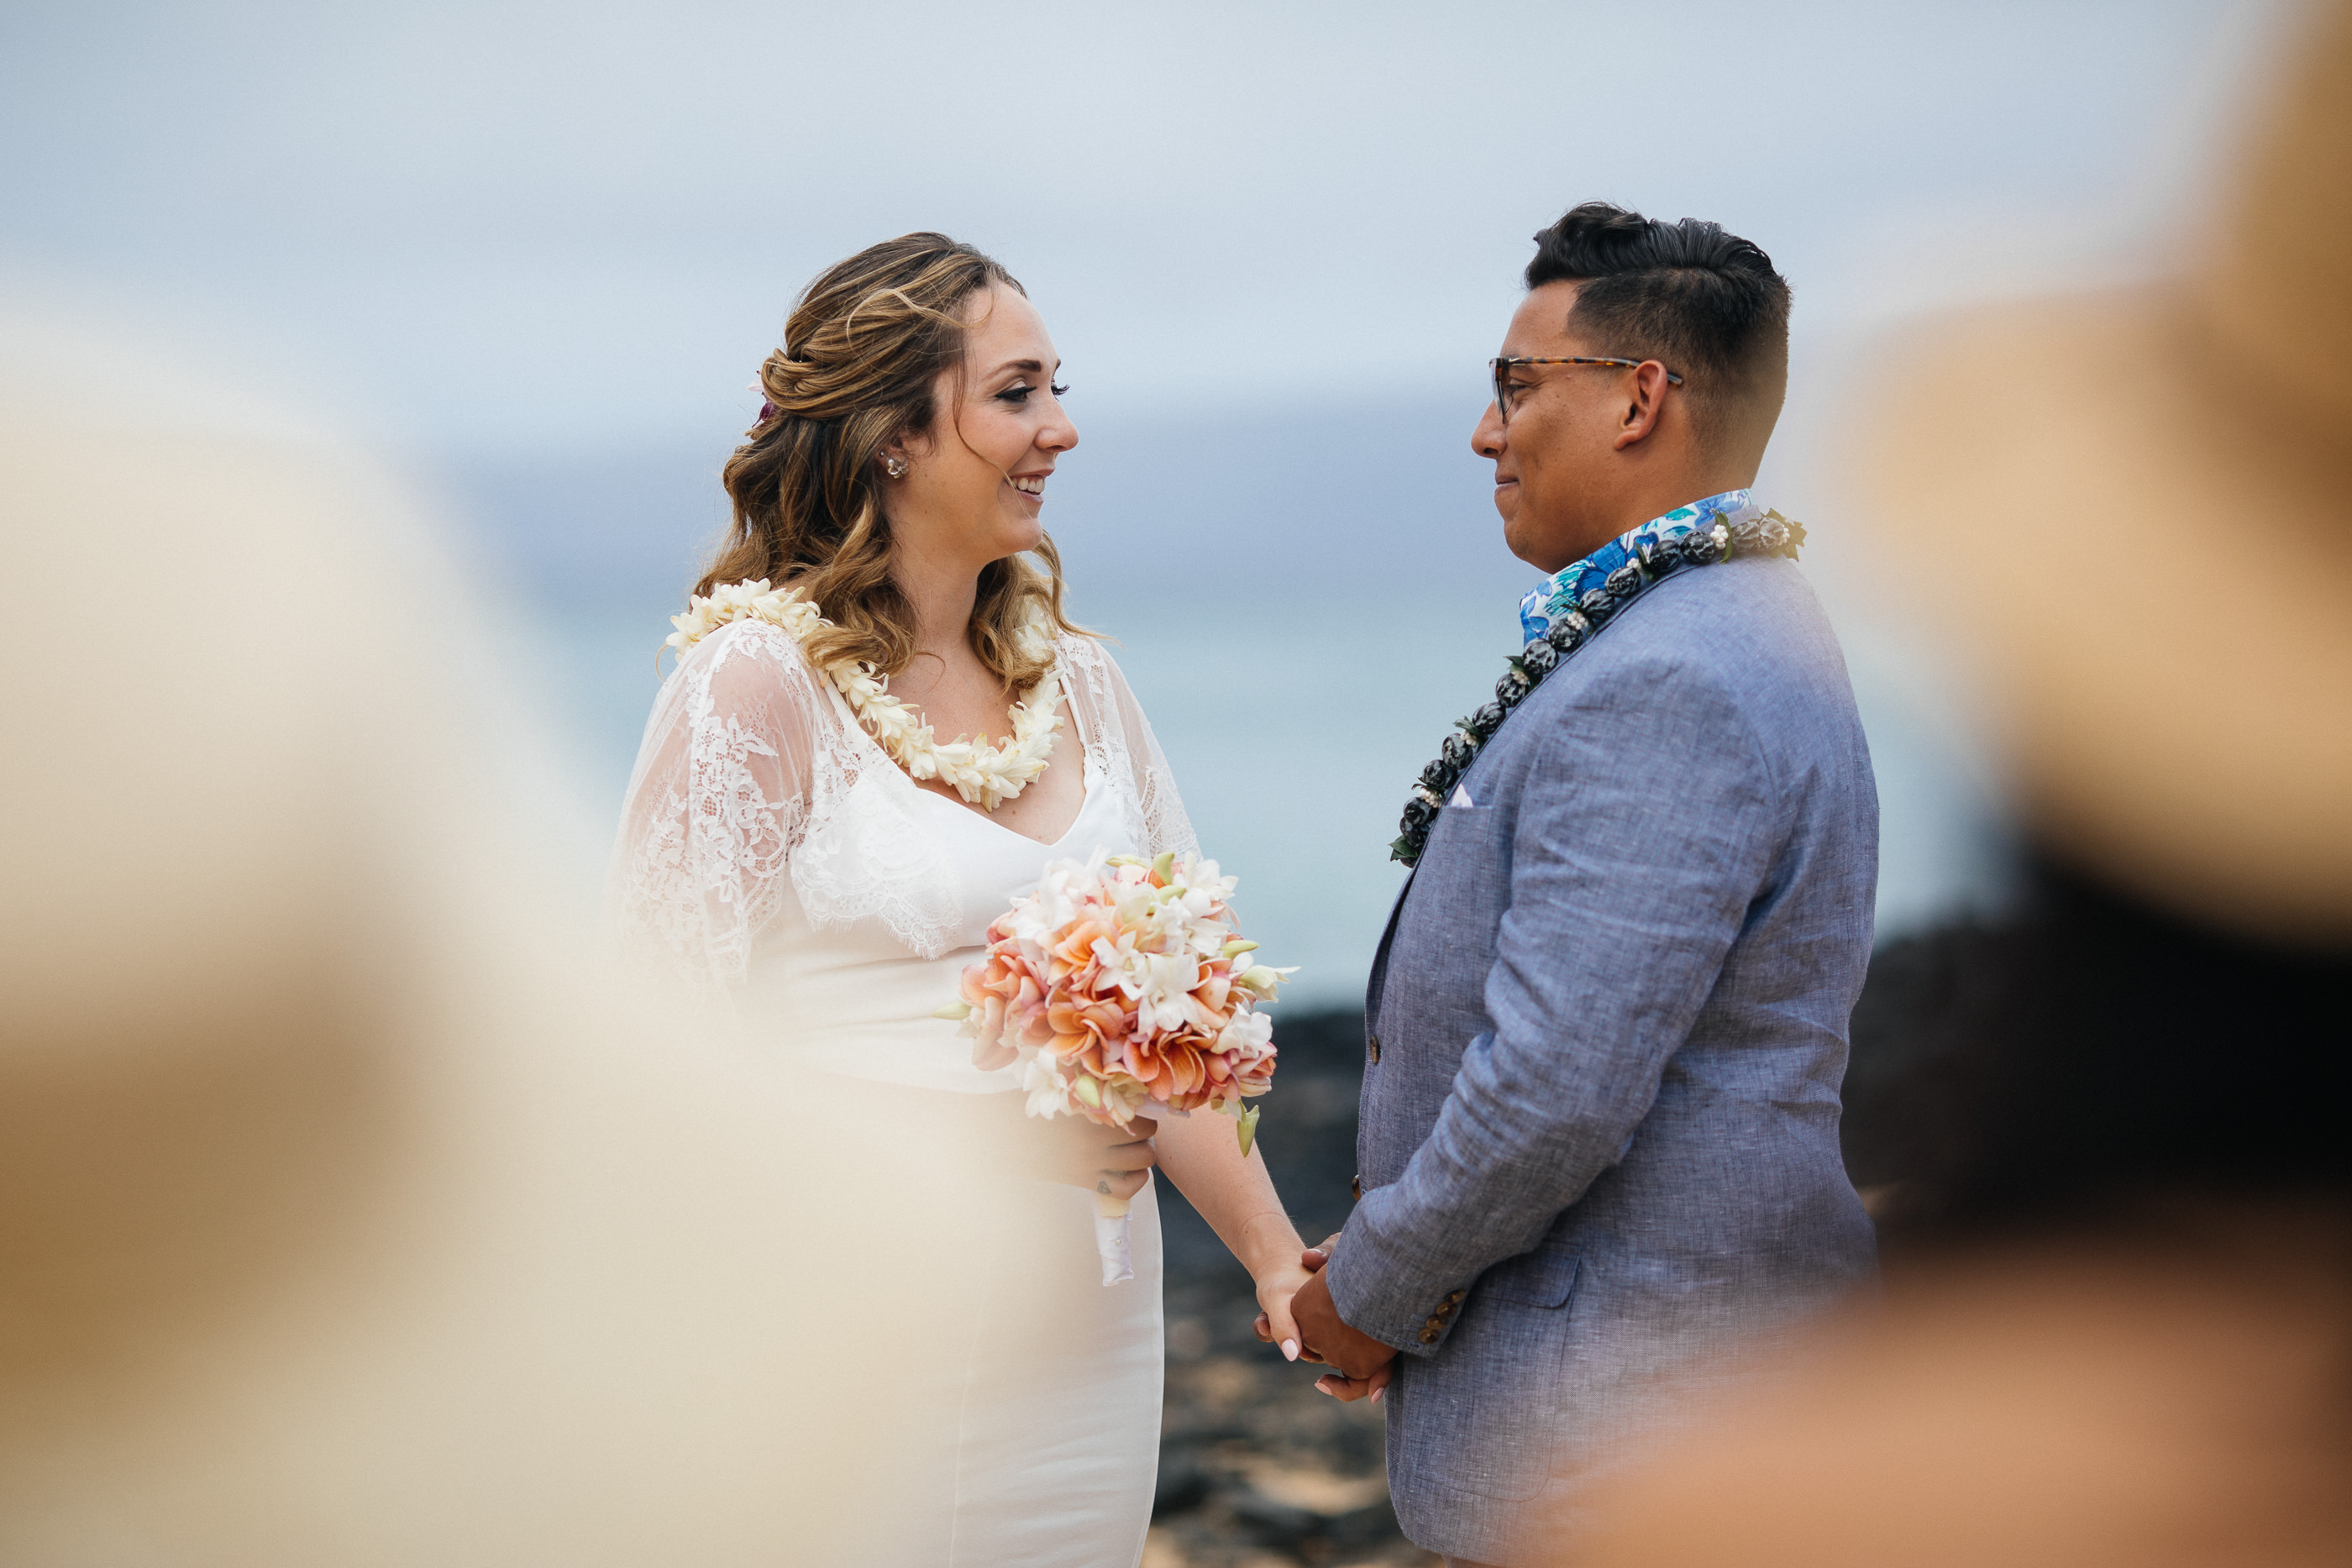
[{"x": 1703, "y": 302}]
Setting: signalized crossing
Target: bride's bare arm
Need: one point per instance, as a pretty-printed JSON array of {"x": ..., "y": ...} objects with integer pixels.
[
  {"x": 1199, "y": 1152},
  {"x": 1236, "y": 1196}
]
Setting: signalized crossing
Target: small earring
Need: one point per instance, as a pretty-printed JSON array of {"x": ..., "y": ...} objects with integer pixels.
[{"x": 894, "y": 467}]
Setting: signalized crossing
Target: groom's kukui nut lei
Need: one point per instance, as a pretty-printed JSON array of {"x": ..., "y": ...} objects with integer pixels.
[{"x": 1770, "y": 534}]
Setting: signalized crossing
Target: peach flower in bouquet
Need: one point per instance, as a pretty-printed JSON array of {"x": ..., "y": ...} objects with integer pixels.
[{"x": 1119, "y": 986}]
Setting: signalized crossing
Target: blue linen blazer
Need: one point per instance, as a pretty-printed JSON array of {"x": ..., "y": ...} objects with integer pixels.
[{"x": 1606, "y": 1033}]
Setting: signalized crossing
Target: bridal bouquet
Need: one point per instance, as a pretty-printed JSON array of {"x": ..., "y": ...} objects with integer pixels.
[{"x": 1120, "y": 986}]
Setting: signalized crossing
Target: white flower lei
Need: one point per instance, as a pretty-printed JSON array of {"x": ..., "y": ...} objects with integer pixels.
[{"x": 981, "y": 772}]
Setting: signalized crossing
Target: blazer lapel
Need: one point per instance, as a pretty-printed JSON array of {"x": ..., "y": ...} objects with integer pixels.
[{"x": 1381, "y": 958}]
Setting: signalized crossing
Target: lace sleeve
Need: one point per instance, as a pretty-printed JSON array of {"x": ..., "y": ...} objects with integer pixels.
[
  {"x": 717, "y": 805},
  {"x": 1121, "y": 747}
]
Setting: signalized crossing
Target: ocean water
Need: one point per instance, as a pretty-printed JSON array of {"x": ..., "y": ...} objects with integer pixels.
[{"x": 1302, "y": 614}]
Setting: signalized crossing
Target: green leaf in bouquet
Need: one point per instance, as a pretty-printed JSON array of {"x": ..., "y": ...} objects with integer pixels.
[
  {"x": 954, "y": 1012},
  {"x": 1246, "y": 1128}
]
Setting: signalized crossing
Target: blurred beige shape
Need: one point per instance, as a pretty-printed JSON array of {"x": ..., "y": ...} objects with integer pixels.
[
  {"x": 2133, "y": 513},
  {"x": 2061, "y": 1411},
  {"x": 348, "y": 1212}
]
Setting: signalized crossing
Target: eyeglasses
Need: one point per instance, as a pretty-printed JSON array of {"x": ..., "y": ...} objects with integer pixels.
[{"x": 1504, "y": 367}]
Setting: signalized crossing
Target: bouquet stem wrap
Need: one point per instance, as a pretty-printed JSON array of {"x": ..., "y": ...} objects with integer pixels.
[
  {"x": 1113, "y": 1224},
  {"x": 1121, "y": 990}
]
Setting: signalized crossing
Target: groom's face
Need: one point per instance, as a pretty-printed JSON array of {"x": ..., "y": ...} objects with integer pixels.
[{"x": 1553, "y": 458}]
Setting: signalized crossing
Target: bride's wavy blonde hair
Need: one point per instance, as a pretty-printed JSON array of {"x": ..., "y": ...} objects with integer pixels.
[{"x": 861, "y": 351}]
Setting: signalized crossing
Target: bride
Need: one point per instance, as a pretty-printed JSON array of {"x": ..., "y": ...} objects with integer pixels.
[{"x": 797, "y": 841}]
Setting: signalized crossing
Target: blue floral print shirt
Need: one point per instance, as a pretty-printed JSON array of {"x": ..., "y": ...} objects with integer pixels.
[{"x": 1557, "y": 595}]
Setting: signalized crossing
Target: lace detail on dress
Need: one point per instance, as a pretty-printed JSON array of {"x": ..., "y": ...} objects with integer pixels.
[
  {"x": 1121, "y": 747},
  {"x": 718, "y": 818},
  {"x": 753, "y": 775},
  {"x": 870, "y": 850},
  {"x": 754, "y": 782}
]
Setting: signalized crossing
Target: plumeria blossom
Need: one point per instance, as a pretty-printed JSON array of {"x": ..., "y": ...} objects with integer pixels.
[
  {"x": 980, "y": 772},
  {"x": 728, "y": 601},
  {"x": 1120, "y": 987}
]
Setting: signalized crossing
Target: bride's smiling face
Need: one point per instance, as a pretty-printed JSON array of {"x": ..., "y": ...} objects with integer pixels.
[{"x": 975, "y": 482}]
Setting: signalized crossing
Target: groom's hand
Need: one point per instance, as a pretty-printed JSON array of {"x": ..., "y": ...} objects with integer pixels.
[{"x": 1361, "y": 1359}]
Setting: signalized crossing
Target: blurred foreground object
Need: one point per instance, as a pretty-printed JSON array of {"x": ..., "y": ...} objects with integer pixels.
[
  {"x": 346, "y": 1215},
  {"x": 2132, "y": 513},
  {"x": 2067, "y": 1406},
  {"x": 2118, "y": 1321}
]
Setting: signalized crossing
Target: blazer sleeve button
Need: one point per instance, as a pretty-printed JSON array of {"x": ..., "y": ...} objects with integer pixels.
[
  {"x": 1429, "y": 1336},
  {"x": 1372, "y": 1048},
  {"x": 1356, "y": 1185}
]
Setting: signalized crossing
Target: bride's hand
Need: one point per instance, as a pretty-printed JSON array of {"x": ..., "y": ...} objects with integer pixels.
[
  {"x": 1111, "y": 1161},
  {"x": 1276, "y": 1286}
]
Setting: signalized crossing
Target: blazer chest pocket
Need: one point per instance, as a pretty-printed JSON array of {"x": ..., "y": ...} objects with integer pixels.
[
  {"x": 1459, "y": 829},
  {"x": 1540, "y": 1278}
]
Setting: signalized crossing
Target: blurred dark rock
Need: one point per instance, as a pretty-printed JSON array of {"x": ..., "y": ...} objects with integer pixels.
[
  {"x": 1272, "y": 1523},
  {"x": 1371, "y": 1525},
  {"x": 1183, "y": 1484},
  {"x": 1903, "y": 1025}
]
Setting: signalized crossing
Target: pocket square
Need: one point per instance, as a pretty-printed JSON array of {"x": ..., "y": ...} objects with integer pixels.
[{"x": 1460, "y": 796}]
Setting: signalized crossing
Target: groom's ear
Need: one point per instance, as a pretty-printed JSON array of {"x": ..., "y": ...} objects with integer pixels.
[{"x": 1638, "y": 417}]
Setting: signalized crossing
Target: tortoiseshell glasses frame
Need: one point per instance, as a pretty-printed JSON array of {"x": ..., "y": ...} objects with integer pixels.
[{"x": 1503, "y": 368}]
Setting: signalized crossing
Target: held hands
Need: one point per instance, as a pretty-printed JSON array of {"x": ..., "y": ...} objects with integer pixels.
[{"x": 1364, "y": 1365}]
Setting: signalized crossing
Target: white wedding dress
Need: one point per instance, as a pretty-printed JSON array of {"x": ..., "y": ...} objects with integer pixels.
[{"x": 771, "y": 854}]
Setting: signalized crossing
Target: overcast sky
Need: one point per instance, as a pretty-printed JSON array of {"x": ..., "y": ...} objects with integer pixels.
[{"x": 510, "y": 227}]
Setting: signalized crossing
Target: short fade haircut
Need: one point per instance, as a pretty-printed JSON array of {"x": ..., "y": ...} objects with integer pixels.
[{"x": 1705, "y": 303}]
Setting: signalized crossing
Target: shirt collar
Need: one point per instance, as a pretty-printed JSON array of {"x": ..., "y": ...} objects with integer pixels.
[{"x": 1557, "y": 595}]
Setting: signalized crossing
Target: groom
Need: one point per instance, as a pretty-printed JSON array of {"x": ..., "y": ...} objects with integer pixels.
[{"x": 1607, "y": 1024}]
